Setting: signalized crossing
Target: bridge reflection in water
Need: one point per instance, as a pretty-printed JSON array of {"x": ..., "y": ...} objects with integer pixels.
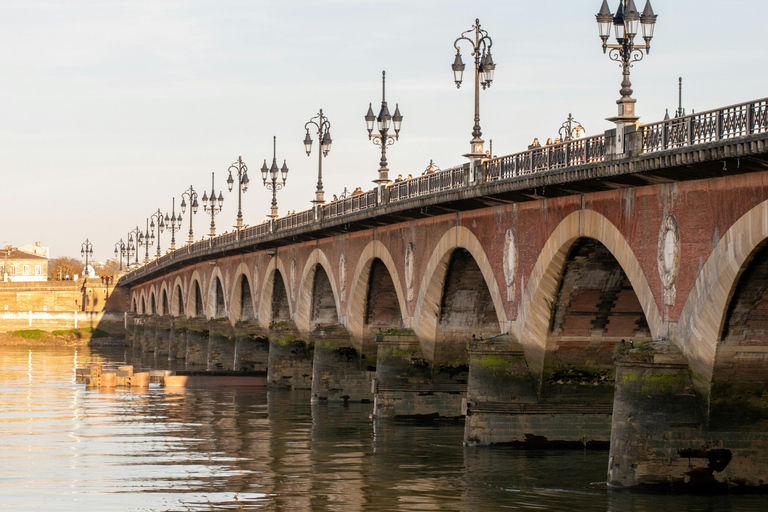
[
  {"x": 602, "y": 292},
  {"x": 66, "y": 448}
]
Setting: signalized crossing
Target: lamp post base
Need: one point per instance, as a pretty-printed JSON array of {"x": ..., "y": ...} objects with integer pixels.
[{"x": 476, "y": 150}]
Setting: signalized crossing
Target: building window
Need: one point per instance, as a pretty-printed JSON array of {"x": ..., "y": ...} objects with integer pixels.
[
  {"x": 38, "y": 270},
  {"x": 13, "y": 270},
  {"x": 25, "y": 270}
]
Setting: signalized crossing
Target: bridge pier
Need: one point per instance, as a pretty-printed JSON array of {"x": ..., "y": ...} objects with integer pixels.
[
  {"x": 177, "y": 341},
  {"x": 138, "y": 332},
  {"x": 196, "y": 356},
  {"x": 221, "y": 345},
  {"x": 149, "y": 337},
  {"x": 339, "y": 370},
  {"x": 408, "y": 385},
  {"x": 251, "y": 348},
  {"x": 290, "y": 357},
  {"x": 163, "y": 337},
  {"x": 503, "y": 404},
  {"x": 130, "y": 328}
]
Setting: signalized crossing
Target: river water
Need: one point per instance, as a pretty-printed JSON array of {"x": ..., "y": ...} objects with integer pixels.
[{"x": 64, "y": 447}]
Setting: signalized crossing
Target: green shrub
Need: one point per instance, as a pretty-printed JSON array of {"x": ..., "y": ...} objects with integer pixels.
[{"x": 30, "y": 334}]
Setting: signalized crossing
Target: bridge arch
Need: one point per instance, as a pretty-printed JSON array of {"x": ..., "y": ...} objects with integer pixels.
[
  {"x": 177, "y": 298},
  {"x": 195, "y": 302},
  {"x": 703, "y": 318},
  {"x": 431, "y": 290},
  {"x": 274, "y": 273},
  {"x": 541, "y": 293},
  {"x": 360, "y": 283},
  {"x": 242, "y": 303},
  {"x": 217, "y": 298},
  {"x": 306, "y": 299},
  {"x": 164, "y": 308},
  {"x": 134, "y": 309}
]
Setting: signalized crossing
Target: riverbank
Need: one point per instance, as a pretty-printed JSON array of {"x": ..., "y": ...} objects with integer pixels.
[{"x": 66, "y": 338}]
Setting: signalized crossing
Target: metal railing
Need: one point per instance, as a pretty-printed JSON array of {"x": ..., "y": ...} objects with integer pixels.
[
  {"x": 705, "y": 127},
  {"x": 432, "y": 183},
  {"x": 711, "y": 126},
  {"x": 351, "y": 204}
]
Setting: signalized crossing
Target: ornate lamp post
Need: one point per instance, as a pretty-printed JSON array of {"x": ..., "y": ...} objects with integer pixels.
[
  {"x": 146, "y": 239},
  {"x": 133, "y": 244},
  {"x": 160, "y": 227},
  {"x": 383, "y": 122},
  {"x": 324, "y": 137},
  {"x": 626, "y": 23},
  {"x": 86, "y": 249},
  {"x": 173, "y": 223},
  {"x": 484, "y": 69},
  {"x": 192, "y": 196},
  {"x": 120, "y": 249},
  {"x": 568, "y": 128},
  {"x": 242, "y": 186},
  {"x": 215, "y": 206},
  {"x": 274, "y": 185}
]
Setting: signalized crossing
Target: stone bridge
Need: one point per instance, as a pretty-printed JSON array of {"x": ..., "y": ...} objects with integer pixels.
[{"x": 600, "y": 292}]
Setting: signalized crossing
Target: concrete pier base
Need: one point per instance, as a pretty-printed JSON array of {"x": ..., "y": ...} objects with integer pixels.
[
  {"x": 251, "y": 348},
  {"x": 339, "y": 372},
  {"x": 196, "y": 356},
  {"x": 221, "y": 345},
  {"x": 503, "y": 405},
  {"x": 659, "y": 436},
  {"x": 409, "y": 386},
  {"x": 138, "y": 332},
  {"x": 290, "y": 358}
]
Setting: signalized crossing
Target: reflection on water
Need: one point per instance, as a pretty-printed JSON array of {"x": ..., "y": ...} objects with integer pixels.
[{"x": 63, "y": 447}]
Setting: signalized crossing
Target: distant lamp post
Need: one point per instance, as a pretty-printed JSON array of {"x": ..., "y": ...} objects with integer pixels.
[
  {"x": 215, "y": 207},
  {"x": 383, "y": 122},
  {"x": 86, "y": 249},
  {"x": 146, "y": 239},
  {"x": 158, "y": 215},
  {"x": 570, "y": 129},
  {"x": 133, "y": 244},
  {"x": 431, "y": 168},
  {"x": 242, "y": 185},
  {"x": 626, "y": 23},
  {"x": 173, "y": 223},
  {"x": 484, "y": 70},
  {"x": 269, "y": 176},
  {"x": 192, "y": 196},
  {"x": 120, "y": 250},
  {"x": 324, "y": 137}
]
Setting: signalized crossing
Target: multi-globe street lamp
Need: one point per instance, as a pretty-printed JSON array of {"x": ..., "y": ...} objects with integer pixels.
[
  {"x": 382, "y": 123},
  {"x": 192, "y": 196},
  {"x": 484, "y": 69},
  {"x": 120, "y": 250},
  {"x": 242, "y": 186},
  {"x": 215, "y": 206},
  {"x": 323, "y": 126},
  {"x": 133, "y": 244},
  {"x": 173, "y": 223},
  {"x": 158, "y": 215},
  {"x": 626, "y": 23},
  {"x": 273, "y": 184},
  {"x": 86, "y": 249},
  {"x": 146, "y": 239}
]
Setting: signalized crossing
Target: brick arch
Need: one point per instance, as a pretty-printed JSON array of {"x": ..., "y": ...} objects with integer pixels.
[
  {"x": 135, "y": 306},
  {"x": 178, "y": 284},
  {"x": 356, "y": 305},
  {"x": 541, "y": 292},
  {"x": 165, "y": 302},
  {"x": 152, "y": 299},
  {"x": 143, "y": 301},
  {"x": 304, "y": 302},
  {"x": 190, "y": 301},
  {"x": 211, "y": 311},
  {"x": 267, "y": 290},
  {"x": 235, "y": 297},
  {"x": 429, "y": 302},
  {"x": 704, "y": 314}
]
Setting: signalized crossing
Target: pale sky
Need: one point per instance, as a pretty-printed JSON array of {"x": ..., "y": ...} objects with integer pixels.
[{"x": 108, "y": 109}]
